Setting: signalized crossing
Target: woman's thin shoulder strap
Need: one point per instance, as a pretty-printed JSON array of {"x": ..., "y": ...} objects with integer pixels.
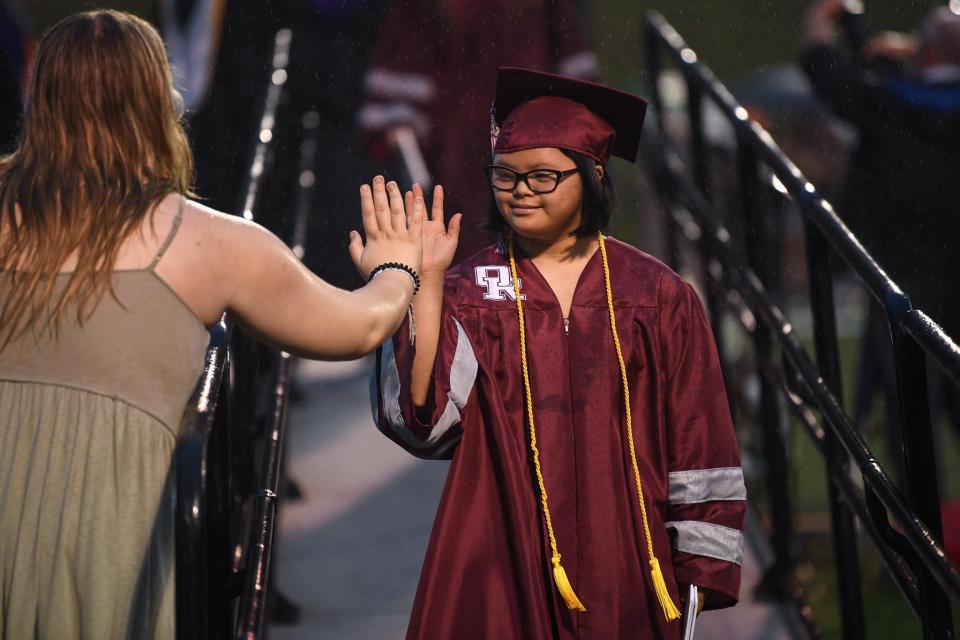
[{"x": 170, "y": 236}]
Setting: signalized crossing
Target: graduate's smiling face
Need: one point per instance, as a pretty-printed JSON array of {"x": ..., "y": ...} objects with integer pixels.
[{"x": 545, "y": 217}]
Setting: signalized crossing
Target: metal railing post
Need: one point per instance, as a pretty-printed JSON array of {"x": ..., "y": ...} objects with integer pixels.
[
  {"x": 701, "y": 176},
  {"x": 202, "y": 501},
  {"x": 251, "y": 614},
  {"x": 920, "y": 463},
  {"x": 776, "y": 582},
  {"x": 837, "y": 461},
  {"x": 654, "y": 69}
]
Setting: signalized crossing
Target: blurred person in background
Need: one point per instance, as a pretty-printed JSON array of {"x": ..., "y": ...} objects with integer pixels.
[
  {"x": 109, "y": 275},
  {"x": 220, "y": 55},
  {"x": 192, "y": 31},
  {"x": 220, "y": 52},
  {"x": 903, "y": 184},
  {"x": 904, "y": 181},
  {"x": 434, "y": 71},
  {"x": 332, "y": 44}
]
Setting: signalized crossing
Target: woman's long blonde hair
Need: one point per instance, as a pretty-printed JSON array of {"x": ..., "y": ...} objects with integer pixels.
[{"x": 101, "y": 146}]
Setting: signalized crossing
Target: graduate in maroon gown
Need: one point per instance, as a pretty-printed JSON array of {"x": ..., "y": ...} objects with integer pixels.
[{"x": 575, "y": 383}]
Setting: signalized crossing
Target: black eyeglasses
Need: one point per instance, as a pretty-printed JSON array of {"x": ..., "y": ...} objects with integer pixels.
[{"x": 539, "y": 180}]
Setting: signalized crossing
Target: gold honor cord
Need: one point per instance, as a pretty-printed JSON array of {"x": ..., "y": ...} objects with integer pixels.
[
  {"x": 670, "y": 610},
  {"x": 559, "y": 575}
]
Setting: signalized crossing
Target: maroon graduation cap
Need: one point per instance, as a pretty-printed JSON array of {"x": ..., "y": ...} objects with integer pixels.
[{"x": 535, "y": 109}]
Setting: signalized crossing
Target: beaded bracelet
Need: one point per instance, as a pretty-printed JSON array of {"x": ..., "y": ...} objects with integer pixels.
[{"x": 398, "y": 266}]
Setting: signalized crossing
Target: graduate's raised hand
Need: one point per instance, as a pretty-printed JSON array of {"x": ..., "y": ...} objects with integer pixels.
[
  {"x": 439, "y": 240},
  {"x": 393, "y": 228},
  {"x": 439, "y": 246}
]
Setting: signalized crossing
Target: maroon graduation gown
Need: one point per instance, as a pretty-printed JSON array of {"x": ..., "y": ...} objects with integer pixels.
[{"x": 487, "y": 572}]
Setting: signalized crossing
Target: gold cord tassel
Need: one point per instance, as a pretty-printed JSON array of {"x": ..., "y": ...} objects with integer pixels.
[
  {"x": 563, "y": 585},
  {"x": 573, "y": 603},
  {"x": 559, "y": 575},
  {"x": 670, "y": 611}
]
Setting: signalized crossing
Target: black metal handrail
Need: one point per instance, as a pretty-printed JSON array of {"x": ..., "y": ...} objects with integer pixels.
[
  {"x": 192, "y": 505},
  {"x": 252, "y": 605},
  {"x": 769, "y": 314},
  {"x": 913, "y": 552},
  {"x": 261, "y": 156}
]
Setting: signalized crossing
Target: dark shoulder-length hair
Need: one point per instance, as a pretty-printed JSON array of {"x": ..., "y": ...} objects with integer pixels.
[{"x": 599, "y": 199}]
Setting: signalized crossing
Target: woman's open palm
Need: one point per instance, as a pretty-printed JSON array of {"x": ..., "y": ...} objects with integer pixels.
[
  {"x": 392, "y": 225},
  {"x": 439, "y": 240}
]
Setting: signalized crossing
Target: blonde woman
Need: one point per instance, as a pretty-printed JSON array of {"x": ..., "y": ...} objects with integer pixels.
[{"x": 108, "y": 276}]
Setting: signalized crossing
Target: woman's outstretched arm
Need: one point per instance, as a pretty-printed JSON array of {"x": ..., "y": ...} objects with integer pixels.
[{"x": 273, "y": 296}]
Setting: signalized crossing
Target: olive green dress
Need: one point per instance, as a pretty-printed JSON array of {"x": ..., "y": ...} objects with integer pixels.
[{"x": 88, "y": 426}]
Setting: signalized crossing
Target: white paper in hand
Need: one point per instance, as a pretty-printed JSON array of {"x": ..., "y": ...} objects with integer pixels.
[{"x": 690, "y": 615}]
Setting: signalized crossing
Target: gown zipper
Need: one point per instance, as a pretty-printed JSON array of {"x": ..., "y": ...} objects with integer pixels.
[{"x": 566, "y": 326}]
